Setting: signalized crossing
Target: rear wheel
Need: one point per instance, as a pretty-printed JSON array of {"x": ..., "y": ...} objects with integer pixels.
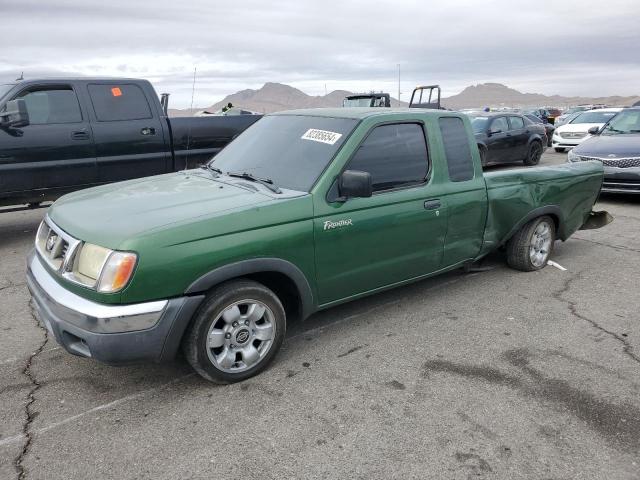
[
  {"x": 530, "y": 248},
  {"x": 236, "y": 333},
  {"x": 534, "y": 154},
  {"x": 559, "y": 150}
]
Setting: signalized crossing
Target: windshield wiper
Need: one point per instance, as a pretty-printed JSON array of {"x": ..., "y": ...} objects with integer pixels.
[
  {"x": 208, "y": 166},
  {"x": 267, "y": 182}
]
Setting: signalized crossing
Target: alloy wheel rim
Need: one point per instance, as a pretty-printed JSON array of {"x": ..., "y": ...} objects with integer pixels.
[
  {"x": 241, "y": 336},
  {"x": 540, "y": 244}
]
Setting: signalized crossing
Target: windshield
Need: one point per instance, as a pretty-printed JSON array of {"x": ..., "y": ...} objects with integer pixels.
[
  {"x": 625, "y": 122},
  {"x": 357, "y": 102},
  {"x": 291, "y": 150},
  {"x": 593, "y": 117},
  {"x": 479, "y": 124},
  {"x": 575, "y": 110},
  {"x": 4, "y": 89}
]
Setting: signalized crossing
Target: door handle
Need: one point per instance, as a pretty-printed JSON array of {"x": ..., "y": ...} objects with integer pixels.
[
  {"x": 148, "y": 131},
  {"x": 432, "y": 204},
  {"x": 80, "y": 135}
]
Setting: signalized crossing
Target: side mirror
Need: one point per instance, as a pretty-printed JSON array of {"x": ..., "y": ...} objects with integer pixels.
[
  {"x": 15, "y": 114},
  {"x": 594, "y": 130},
  {"x": 354, "y": 184}
]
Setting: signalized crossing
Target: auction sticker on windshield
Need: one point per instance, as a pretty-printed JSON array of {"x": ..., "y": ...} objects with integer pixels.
[{"x": 322, "y": 136}]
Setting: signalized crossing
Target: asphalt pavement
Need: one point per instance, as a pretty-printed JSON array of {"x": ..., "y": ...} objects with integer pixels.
[{"x": 491, "y": 374}]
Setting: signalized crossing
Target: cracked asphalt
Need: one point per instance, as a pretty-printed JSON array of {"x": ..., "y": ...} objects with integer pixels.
[{"x": 493, "y": 374}]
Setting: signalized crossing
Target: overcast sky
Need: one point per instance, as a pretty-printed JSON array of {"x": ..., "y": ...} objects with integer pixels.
[{"x": 562, "y": 47}]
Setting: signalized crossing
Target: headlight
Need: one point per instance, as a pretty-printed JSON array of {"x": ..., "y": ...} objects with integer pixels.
[
  {"x": 572, "y": 157},
  {"x": 106, "y": 270},
  {"x": 117, "y": 271}
]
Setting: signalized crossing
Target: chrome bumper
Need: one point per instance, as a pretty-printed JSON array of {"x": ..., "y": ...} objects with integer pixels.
[{"x": 109, "y": 333}]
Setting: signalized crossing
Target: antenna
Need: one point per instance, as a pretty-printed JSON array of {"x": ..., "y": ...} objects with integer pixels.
[
  {"x": 398, "y": 85},
  {"x": 21, "y": 77},
  {"x": 193, "y": 90}
]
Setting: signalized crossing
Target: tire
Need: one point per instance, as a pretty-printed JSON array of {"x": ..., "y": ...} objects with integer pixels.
[
  {"x": 559, "y": 150},
  {"x": 534, "y": 153},
  {"x": 530, "y": 248},
  {"x": 236, "y": 332}
]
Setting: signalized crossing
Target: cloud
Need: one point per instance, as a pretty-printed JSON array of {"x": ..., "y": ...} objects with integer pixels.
[{"x": 545, "y": 46}]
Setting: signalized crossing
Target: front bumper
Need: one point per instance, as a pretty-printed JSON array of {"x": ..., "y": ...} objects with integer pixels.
[
  {"x": 621, "y": 180},
  {"x": 559, "y": 142},
  {"x": 112, "y": 334}
]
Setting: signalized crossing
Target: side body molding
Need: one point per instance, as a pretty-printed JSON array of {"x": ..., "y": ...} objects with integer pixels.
[{"x": 258, "y": 265}]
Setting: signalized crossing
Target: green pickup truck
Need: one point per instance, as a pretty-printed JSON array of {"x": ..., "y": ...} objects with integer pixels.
[{"x": 305, "y": 210}]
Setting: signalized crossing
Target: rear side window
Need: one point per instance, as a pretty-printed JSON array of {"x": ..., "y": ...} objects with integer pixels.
[
  {"x": 119, "y": 102},
  {"x": 50, "y": 106},
  {"x": 456, "y": 149},
  {"x": 516, "y": 123},
  {"x": 394, "y": 155}
]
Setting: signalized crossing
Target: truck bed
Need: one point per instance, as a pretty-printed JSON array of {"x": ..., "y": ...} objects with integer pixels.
[
  {"x": 565, "y": 192},
  {"x": 197, "y": 139}
]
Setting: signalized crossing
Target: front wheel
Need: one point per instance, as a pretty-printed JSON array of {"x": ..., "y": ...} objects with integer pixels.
[
  {"x": 236, "y": 333},
  {"x": 534, "y": 154},
  {"x": 530, "y": 248}
]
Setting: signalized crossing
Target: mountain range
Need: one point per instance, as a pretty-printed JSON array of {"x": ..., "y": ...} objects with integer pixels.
[{"x": 273, "y": 97}]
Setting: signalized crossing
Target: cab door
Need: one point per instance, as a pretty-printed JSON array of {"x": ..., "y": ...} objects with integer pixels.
[
  {"x": 129, "y": 135},
  {"x": 397, "y": 234},
  {"x": 519, "y": 137},
  {"x": 499, "y": 141},
  {"x": 55, "y": 151}
]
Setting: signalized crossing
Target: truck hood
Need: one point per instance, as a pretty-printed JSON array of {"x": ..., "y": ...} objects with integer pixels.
[
  {"x": 111, "y": 214},
  {"x": 621, "y": 146}
]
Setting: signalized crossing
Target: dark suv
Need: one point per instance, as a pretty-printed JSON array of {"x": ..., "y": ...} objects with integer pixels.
[{"x": 617, "y": 146}]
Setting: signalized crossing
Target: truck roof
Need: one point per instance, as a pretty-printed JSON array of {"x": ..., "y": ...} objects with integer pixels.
[
  {"x": 77, "y": 79},
  {"x": 358, "y": 113}
]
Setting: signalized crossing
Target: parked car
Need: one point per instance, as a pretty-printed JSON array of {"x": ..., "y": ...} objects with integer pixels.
[
  {"x": 61, "y": 135},
  {"x": 367, "y": 100},
  {"x": 542, "y": 113},
  {"x": 508, "y": 137},
  {"x": 304, "y": 210},
  {"x": 562, "y": 119},
  {"x": 553, "y": 114},
  {"x": 548, "y": 127},
  {"x": 617, "y": 146},
  {"x": 577, "y": 130}
]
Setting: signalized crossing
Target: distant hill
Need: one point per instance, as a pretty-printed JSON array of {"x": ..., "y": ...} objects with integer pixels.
[
  {"x": 498, "y": 95},
  {"x": 274, "y": 97}
]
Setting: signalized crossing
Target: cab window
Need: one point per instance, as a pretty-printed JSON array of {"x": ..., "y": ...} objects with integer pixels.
[
  {"x": 51, "y": 106},
  {"x": 516, "y": 123},
  {"x": 395, "y": 156}
]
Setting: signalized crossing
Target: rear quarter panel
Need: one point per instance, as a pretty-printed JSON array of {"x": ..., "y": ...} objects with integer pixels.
[{"x": 569, "y": 191}]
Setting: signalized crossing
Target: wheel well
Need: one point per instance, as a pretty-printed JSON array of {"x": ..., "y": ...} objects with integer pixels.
[{"x": 284, "y": 288}]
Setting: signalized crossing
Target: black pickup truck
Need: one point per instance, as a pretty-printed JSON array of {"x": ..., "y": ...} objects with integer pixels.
[{"x": 61, "y": 135}]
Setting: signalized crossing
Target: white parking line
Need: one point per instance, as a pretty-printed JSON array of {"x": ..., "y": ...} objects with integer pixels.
[{"x": 20, "y": 437}]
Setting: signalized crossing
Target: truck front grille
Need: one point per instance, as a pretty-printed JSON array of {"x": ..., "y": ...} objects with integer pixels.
[{"x": 55, "y": 246}]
